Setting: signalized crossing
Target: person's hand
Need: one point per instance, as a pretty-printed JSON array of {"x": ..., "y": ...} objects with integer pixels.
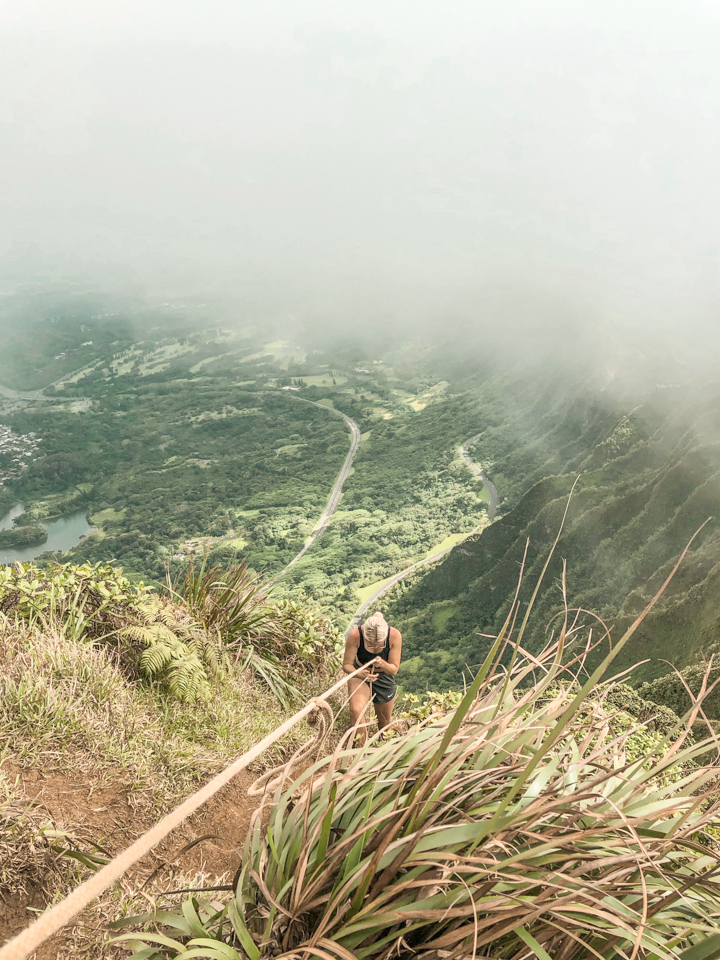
[{"x": 370, "y": 672}]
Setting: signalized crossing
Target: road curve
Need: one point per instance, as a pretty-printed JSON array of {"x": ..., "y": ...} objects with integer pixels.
[
  {"x": 389, "y": 584},
  {"x": 331, "y": 505},
  {"x": 478, "y": 471}
]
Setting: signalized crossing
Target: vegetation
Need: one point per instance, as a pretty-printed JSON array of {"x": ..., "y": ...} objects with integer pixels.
[
  {"x": 172, "y": 470},
  {"x": 533, "y": 819},
  {"x": 276, "y": 641},
  {"x": 646, "y": 482},
  {"x": 173, "y": 453},
  {"x": 211, "y": 622},
  {"x": 84, "y": 701},
  {"x": 68, "y": 704},
  {"x": 408, "y": 492},
  {"x": 540, "y": 812},
  {"x": 23, "y": 536}
]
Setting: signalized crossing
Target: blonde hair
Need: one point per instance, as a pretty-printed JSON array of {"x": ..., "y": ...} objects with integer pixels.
[{"x": 375, "y": 628}]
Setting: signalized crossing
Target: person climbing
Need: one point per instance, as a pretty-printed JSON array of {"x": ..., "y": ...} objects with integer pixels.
[{"x": 378, "y": 645}]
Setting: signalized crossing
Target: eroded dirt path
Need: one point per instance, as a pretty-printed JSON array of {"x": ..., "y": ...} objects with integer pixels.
[{"x": 104, "y": 810}]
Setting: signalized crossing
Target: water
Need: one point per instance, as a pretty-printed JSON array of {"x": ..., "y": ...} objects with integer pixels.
[{"x": 63, "y": 534}]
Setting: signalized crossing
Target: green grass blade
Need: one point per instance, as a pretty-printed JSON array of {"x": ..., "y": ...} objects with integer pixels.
[{"x": 529, "y": 940}]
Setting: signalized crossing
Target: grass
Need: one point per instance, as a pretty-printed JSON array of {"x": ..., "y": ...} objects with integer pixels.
[
  {"x": 441, "y": 615},
  {"x": 449, "y": 541},
  {"x": 79, "y": 647},
  {"x": 77, "y": 706},
  {"x": 367, "y": 591},
  {"x": 324, "y": 380},
  {"x": 534, "y": 819},
  {"x": 67, "y": 704},
  {"x": 109, "y": 515}
]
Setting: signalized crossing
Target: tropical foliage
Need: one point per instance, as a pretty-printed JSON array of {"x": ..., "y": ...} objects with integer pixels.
[
  {"x": 211, "y": 622},
  {"x": 233, "y": 606},
  {"x": 533, "y": 819}
]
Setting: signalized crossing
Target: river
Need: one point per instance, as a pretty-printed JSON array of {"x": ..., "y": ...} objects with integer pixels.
[{"x": 63, "y": 533}]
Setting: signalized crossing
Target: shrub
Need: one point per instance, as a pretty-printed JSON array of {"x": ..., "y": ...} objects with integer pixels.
[
  {"x": 182, "y": 639},
  {"x": 531, "y": 820},
  {"x": 276, "y": 640}
]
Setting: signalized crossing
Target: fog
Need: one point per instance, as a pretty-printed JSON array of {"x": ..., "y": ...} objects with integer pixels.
[{"x": 551, "y": 162}]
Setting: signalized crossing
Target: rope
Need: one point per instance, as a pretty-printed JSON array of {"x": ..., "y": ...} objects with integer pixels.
[
  {"x": 323, "y": 717},
  {"x": 25, "y": 943}
]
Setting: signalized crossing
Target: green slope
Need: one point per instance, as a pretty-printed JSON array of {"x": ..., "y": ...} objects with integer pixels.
[{"x": 647, "y": 481}]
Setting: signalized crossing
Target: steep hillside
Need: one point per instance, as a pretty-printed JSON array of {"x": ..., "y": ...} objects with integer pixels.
[
  {"x": 115, "y": 703},
  {"x": 534, "y": 815},
  {"x": 648, "y": 478}
]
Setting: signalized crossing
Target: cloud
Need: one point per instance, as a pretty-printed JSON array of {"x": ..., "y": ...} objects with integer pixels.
[{"x": 381, "y": 157}]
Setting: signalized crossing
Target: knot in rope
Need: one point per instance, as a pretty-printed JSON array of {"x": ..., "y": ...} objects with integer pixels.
[{"x": 321, "y": 713}]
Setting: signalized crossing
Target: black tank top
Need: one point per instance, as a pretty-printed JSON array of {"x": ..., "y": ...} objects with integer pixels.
[{"x": 363, "y": 655}]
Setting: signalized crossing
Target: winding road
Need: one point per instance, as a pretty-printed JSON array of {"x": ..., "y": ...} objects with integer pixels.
[
  {"x": 334, "y": 500},
  {"x": 493, "y": 502}
]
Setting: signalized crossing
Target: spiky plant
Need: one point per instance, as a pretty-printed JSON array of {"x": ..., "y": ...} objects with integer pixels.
[
  {"x": 232, "y": 604},
  {"x": 526, "y": 823},
  {"x": 154, "y": 637}
]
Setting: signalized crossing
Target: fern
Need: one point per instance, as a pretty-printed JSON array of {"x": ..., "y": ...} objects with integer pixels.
[
  {"x": 214, "y": 622},
  {"x": 186, "y": 678},
  {"x": 173, "y": 663}
]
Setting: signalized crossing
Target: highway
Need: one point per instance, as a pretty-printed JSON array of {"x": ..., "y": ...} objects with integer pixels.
[
  {"x": 491, "y": 511},
  {"x": 389, "y": 584},
  {"x": 334, "y": 500}
]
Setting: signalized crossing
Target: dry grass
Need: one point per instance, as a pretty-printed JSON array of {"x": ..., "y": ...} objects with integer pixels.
[
  {"x": 66, "y": 702},
  {"x": 26, "y": 855},
  {"x": 526, "y": 823},
  {"x": 68, "y": 710}
]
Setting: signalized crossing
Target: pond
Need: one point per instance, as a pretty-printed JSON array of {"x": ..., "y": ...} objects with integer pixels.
[{"x": 63, "y": 534}]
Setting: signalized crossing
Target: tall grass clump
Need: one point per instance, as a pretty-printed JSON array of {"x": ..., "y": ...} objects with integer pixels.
[
  {"x": 531, "y": 821},
  {"x": 210, "y": 625},
  {"x": 276, "y": 640},
  {"x": 69, "y": 705}
]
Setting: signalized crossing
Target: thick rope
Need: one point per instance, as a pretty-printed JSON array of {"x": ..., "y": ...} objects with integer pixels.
[
  {"x": 25, "y": 943},
  {"x": 323, "y": 717}
]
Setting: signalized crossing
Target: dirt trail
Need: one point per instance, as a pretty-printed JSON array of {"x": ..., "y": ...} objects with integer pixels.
[{"x": 100, "y": 808}]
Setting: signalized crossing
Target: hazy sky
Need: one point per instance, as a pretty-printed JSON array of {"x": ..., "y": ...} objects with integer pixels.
[{"x": 402, "y": 150}]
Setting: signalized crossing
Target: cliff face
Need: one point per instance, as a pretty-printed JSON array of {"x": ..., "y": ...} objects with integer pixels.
[{"x": 648, "y": 479}]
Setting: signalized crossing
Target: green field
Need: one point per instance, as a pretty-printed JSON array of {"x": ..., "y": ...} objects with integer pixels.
[{"x": 179, "y": 441}]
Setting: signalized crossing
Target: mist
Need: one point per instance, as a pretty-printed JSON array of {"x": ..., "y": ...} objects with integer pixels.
[{"x": 541, "y": 167}]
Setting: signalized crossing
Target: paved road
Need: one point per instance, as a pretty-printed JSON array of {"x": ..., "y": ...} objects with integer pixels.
[
  {"x": 332, "y": 503},
  {"x": 492, "y": 509},
  {"x": 17, "y": 394},
  {"x": 488, "y": 484},
  {"x": 371, "y": 600}
]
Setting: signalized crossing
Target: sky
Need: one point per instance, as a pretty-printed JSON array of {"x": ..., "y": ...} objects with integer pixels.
[{"x": 388, "y": 160}]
